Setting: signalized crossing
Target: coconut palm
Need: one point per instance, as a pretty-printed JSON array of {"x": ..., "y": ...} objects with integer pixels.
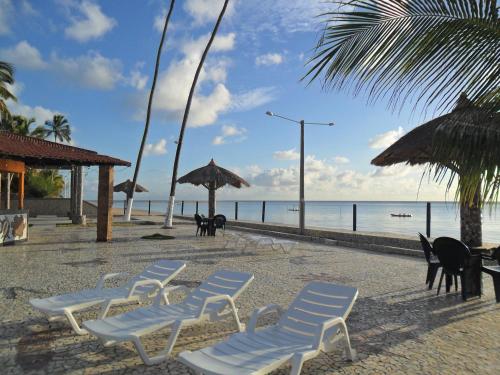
[
  {"x": 21, "y": 125},
  {"x": 170, "y": 207},
  {"x": 6, "y": 78},
  {"x": 130, "y": 193},
  {"x": 427, "y": 52},
  {"x": 59, "y": 128}
]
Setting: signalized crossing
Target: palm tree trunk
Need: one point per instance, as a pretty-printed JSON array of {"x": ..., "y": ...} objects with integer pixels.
[
  {"x": 170, "y": 207},
  {"x": 470, "y": 222},
  {"x": 130, "y": 194}
]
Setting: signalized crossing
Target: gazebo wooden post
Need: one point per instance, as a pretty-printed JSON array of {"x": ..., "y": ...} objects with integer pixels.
[
  {"x": 5, "y": 191},
  {"x": 20, "y": 192},
  {"x": 105, "y": 203},
  {"x": 77, "y": 215},
  {"x": 72, "y": 194}
]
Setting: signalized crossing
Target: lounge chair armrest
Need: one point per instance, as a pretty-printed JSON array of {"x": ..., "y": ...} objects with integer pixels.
[
  {"x": 164, "y": 292},
  {"x": 144, "y": 283},
  {"x": 320, "y": 334},
  {"x": 107, "y": 276},
  {"x": 257, "y": 313},
  {"x": 212, "y": 299}
]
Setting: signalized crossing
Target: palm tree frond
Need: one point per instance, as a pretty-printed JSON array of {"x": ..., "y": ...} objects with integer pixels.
[{"x": 427, "y": 51}]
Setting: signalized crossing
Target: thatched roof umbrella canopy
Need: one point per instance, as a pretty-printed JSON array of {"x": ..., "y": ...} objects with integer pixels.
[
  {"x": 126, "y": 186},
  {"x": 444, "y": 144},
  {"x": 212, "y": 177}
]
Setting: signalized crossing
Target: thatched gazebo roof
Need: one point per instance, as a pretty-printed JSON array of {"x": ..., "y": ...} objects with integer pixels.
[
  {"x": 125, "y": 187},
  {"x": 416, "y": 146},
  {"x": 213, "y": 177}
]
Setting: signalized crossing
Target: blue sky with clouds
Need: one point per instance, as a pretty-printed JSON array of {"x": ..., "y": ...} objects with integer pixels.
[{"x": 93, "y": 61}]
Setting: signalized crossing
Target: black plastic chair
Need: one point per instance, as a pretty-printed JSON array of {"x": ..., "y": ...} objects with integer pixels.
[
  {"x": 453, "y": 256},
  {"x": 432, "y": 261},
  {"x": 201, "y": 225},
  {"x": 220, "y": 222},
  {"x": 494, "y": 272}
]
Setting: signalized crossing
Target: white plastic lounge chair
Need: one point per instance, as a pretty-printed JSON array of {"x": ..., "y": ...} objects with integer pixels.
[
  {"x": 314, "y": 321},
  {"x": 143, "y": 286},
  {"x": 212, "y": 300},
  {"x": 257, "y": 240}
]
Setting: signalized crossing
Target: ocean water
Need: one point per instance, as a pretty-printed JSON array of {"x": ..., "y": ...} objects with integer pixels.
[{"x": 371, "y": 216}]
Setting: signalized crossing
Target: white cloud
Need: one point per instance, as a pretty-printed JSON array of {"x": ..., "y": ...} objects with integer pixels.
[
  {"x": 138, "y": 80},
  {"x": 92, "y": 70},
  {"x": 23, "y": 55},
  {"x": 27, "y": 8},
  {"x": 253, "y": 98},
  {"x": 341, "y": 160},
  {"x": 159, "y": 21},
  {"x": 91, "y": 24},
  {"x": 234, "y": 134},
  {"x": 211, "y": 98},
  {"x": 207, "y": 10},
  {"x": 194, "y": 48},
  {"x": 398, "y": 170},
  {"x": 6, "y": 12},
  {"x": 269, "y": 59},
  {"x": 386, "y": 139},
  {"x": 41, "y": 114},
  {"x": 158, "y": 148},
  {"x": 286, "y": 155}
]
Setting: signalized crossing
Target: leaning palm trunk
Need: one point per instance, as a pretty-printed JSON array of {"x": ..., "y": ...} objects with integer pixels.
[
  {"x": 130, "y": 194},
  {"x": 171, "y": 202}
]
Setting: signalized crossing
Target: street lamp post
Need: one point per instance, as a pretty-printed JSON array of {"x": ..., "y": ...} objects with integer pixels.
[{"x": 302, "y": 203}]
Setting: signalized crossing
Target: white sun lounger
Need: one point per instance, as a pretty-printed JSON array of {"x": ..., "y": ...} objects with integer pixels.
[
  {"x": 139, "y": 288},
  {"x": 212, "y": 300},
  {"x": 314, "y": 321},
  {"x": 259, "y": 241}
]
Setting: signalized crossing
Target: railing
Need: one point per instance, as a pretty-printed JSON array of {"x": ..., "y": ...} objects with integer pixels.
[{"x": 190, "y": 207}]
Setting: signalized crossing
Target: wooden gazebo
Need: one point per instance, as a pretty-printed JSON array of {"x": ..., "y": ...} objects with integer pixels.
[
  {"x": 416, "y": 148},
  {"x": 18, "y": 152},
  {"x": 212, "y": 177}
]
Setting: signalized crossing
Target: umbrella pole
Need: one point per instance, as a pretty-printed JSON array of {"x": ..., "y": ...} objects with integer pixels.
[{"x": 211, "y": 203}]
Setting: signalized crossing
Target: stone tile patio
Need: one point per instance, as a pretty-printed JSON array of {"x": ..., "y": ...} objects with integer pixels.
[{"x": 397, "y": 326}]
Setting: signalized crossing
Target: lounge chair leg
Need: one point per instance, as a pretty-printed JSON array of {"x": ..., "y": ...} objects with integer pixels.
[
  {"x": 297, "y": 363},
  {"x": 349, "y": 351},
  {"x": 148, "y": 361},
  {"x": 106, "y": 306},
  {"x": 74, "y": 324},
  {"x": 176, "y": 329}
]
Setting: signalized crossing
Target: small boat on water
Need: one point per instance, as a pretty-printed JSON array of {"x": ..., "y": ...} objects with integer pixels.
[
  {"x": 294, "y": 209},
  {"x": 401, "y": 215}
]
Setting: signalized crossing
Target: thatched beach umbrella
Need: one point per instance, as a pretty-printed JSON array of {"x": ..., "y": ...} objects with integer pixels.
[
  {"x": 464, "y": 124},
  {"x": 212, "y": 177},
  {"x": 126, "y": 187}
]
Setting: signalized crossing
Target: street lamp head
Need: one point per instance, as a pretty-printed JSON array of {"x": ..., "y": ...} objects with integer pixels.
[{"x": 269, "y": 113}]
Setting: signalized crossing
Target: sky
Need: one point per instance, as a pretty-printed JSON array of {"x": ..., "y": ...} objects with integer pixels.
[{"x": 93, "y": 61}]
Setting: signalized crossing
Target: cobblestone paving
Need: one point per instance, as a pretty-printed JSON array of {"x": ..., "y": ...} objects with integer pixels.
[{"x": 397, "y": 326}]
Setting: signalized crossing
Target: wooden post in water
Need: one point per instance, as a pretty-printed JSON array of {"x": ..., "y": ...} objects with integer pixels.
[
  {"x": 354, "y": 217},
  {"x": 197, "y": 207},
  {"x": 235, "y": 210},
  {"x": 428, "y": 220},
  {"x": 149, "y": 208},
  {"x": 263, "y": 211},
  {"x": 182, "y": 208},
  {"x": 124, "y": 206}
]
